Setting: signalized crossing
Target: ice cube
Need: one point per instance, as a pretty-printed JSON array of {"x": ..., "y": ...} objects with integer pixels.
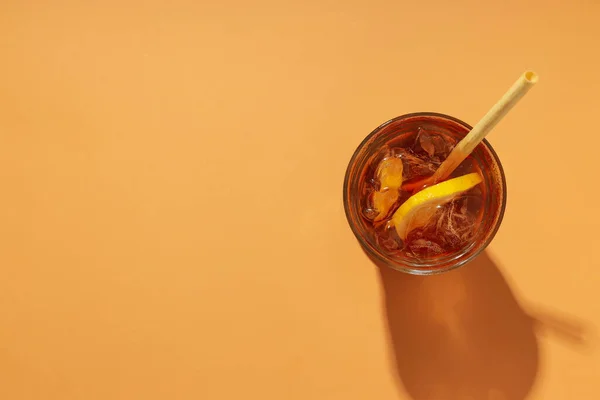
[
  {"x": 455, "y": 223},
  {"x": 370, "y": 213},
  {"x": 387, "y": 238},
  {"x": 450, "y": 228},
  {"x": 442, "y": 145},
  {"x": 415, "y": 166},
  {"x": 425, "y": 248},
  {"x": 426, "y": 142},
  {"x": 434, "y": 145}
]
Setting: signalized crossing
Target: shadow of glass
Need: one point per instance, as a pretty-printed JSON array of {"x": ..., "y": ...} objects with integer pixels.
[
  {"x": 460, "y": 335},
  {"x": 567, "y": 328}
]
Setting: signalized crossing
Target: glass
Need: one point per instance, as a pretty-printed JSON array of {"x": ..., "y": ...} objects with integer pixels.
[{"x": 361, "y": 168}]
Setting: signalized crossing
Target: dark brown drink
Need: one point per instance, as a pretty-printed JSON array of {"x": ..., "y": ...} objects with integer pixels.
[{"x": 410, "y": 228}]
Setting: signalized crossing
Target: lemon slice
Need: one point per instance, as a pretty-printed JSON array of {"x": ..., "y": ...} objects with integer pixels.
[
  {"x": 384, "y": 201},
  {"x": 389, "y": 172},
  {"x": 420, "y": 207}
]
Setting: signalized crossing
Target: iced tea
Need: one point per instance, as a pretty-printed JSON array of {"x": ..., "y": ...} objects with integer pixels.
[{"x": 442, "y": 234}]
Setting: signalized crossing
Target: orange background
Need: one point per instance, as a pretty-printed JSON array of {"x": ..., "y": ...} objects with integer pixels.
[{"x": 171, "y": 221}]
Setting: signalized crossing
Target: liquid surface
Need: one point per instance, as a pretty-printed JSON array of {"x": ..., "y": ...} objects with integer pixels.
[{"x": 449, "y": 227}]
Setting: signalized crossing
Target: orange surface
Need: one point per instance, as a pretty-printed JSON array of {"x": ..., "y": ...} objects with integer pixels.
[{"x": 171, "y": 221}]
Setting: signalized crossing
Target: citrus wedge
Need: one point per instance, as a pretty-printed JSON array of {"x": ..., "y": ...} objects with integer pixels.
[
  {"x": 384, "y": 201},
  {"x": 420, "y": 207},
  {"x": 389, "y": 172}
]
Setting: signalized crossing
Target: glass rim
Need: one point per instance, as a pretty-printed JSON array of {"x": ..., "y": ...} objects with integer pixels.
[{"x": 406, "y": 266}]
